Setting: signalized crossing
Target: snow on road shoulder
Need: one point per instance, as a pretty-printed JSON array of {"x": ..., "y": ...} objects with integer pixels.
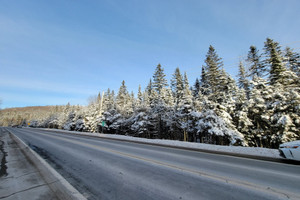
[{"x": 253, "y": 151}]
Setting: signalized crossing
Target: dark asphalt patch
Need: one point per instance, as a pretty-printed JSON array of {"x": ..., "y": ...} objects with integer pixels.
[
  {"x": 3, "y": 170},
  {"x": 45, "y": 155}
]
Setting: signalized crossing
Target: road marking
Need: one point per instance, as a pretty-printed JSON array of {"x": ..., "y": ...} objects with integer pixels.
[{"x": 199, "y": 173}]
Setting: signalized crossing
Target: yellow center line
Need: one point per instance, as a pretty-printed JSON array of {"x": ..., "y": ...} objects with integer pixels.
[{"x": 199, "y": 173}]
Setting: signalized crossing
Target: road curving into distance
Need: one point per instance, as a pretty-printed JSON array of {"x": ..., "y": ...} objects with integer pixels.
[{"x": 108, "y": 169}]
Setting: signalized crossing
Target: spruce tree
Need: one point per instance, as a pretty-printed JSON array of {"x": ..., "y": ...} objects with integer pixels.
[
  {"x": 185, "y": 81},
  {"x": 196, "y": 88},
  {"x": 275, "y": 62},
  {"x": 159, "y": 80},
  {"x": 260, "y": 98},
  {"x": 149, "y": 87},
  {"x": 139, "y": 100},
  {"x": 240, "y": 117},
  {"x": 203, "y": 77},
  {"x": 184, "y": 108},
  {"x": 133, "y": 101},
  {"x": 177, "y": 85},
  {"x": 256, "y": 66},
  {"x": 285, "y": 118},
  {"x": 106, "y": 100},
  {"x": 123, "y": 100},
  {"x": 242, "y": 79},
  {"x": 150, "y": 94},
  {"x": 204, "y": 88},
  {"x": 292, "y": 60},
  {"x": 112, "y": 99},
  {"x": 167, "y": 97},
  {"x": 212, "y": 68}
]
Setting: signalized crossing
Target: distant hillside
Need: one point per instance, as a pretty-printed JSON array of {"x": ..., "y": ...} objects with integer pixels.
[{"x": 22, "y": 115}]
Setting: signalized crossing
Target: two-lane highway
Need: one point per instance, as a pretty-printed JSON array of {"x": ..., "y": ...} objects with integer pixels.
[{"x": 109, "y": 169}]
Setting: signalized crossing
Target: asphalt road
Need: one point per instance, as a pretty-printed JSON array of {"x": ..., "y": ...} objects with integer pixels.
[{"x": 108, "y": 169}]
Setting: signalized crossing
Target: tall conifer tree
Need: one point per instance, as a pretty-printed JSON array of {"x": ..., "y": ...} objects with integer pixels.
[
  {"x": 196, "y": 88},
  {"x": 159, "y": 80},
  {"x": 292, "y": 60},
  {"x": 275, "y": 61},
  {"x": 256, "y": 66},
  {"x": 213, "y": 66},
  {"x": 242, "y": 79},
  {"x": 177, "y": 85}
]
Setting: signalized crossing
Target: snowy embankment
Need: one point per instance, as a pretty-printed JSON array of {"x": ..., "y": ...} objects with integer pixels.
[{"x": 250, "y": 151}]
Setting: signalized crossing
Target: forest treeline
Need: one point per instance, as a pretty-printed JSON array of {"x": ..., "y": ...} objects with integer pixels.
[{"x": 261, "y": 108}]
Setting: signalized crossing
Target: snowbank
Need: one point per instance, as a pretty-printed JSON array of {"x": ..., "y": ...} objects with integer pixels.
[{"x": 251, "y": 151}]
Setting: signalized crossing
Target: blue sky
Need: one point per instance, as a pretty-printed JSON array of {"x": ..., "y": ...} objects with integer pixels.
[{"x": 60, "y": 51}]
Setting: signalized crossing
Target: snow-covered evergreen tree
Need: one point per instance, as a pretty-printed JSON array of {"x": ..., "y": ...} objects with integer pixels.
[
  {"x": 274, "y": 61},
  {"x": 185, "y": 107},
  {"x": 93, "y": 116},
  {"x": 177, "y": 85},
  {"x": 167, "y": 97},
  {"x": 204, "y": 87},
  {"x": 123, "y": 101},
  {"x": 285, "y": 115},
  {"x": 108, "y": 100},
  {"x": 213, "y": 130},
  {"x": 212, "y": 70},
  {"x": 150, "y": 94},
  {"x": 240, "y": 118},
  {"x": 242, "y": 79},
  {"x": 257, "y": 68},
  {"x": 141, "y": 124},
  {"x": 159, "y": 80},
  {"x": 260, "y": 98},
  {"x": 139, "y": 100},
  {"x": 292, "y": 60},
  {"x": 196, "y": 88},
  {"x": 114, "y": 122}
]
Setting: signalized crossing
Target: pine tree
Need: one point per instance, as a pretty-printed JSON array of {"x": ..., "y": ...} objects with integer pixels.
[
  {"x": 212, "y": 69},
  {"x": 242, "y": 79},
  {"x": 149, "y": 87},
  {"x": 187, "y": 99},
  {"x": 292, "y": 60},
  {"x": 167, "y": 97},
  {"x": 107, "y": 103},
  {"x": 177, "y": 85},
  {"x": 196, "y": 88},
  {"x": 285, "y": 116},
  {"x": 139, "y": 100},
  {"x": 256, "y": 66},
  {"x": 184, "y": 108},
  {"x": 213, "y": 129},
  {"x": 133, "y": 101},
  {"x": 185, "y": 81},
  {"x": 112, "y": 99},
  {"x": 124, "y": 104},
  {"x": 159, "y": 80},
  {"x": 204, "y": 87},
  {"x": 275, "y": 61},
  {"x": 203, "y": 77},
  {"x": 260, "y": 98},
  {"x": 240, "y": 117},
  {"x": 150, "y": 95},
  {"x": 141, "y": 125}
]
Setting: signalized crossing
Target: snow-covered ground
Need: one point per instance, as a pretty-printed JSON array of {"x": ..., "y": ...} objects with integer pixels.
[{"x": 253, "y": 151}]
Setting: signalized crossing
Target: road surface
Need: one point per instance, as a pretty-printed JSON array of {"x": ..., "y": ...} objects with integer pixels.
[{"x": 108, "y": 169}]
